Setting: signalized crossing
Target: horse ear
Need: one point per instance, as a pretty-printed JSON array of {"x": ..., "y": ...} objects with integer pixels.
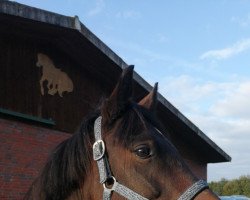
[
  {"x": 150, "y": 101},
  {"x": 120, "y": 97}
]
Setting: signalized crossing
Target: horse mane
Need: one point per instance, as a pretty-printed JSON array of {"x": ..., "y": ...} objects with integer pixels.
[{"x": 67, "y": 166}]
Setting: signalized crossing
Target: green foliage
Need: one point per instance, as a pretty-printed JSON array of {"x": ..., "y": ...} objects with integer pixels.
[{"x": 224, "y": 187}]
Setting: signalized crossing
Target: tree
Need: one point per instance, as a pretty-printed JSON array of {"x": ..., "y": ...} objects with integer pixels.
[{"x": 224, "y": 187}]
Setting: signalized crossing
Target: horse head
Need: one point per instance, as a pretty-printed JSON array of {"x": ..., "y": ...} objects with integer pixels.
[
  {"x": 40, "y": 58},
  {"x": 121, "y": 152}
]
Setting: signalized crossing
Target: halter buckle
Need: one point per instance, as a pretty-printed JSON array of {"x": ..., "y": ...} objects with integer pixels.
[{"x": 98, "y": 150}]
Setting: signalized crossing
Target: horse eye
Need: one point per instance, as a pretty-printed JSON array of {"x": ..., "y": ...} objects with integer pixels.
[{"x": 143, "y": 152}]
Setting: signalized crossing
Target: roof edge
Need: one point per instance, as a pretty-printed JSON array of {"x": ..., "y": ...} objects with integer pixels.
[{"x": 36, "y": 14}]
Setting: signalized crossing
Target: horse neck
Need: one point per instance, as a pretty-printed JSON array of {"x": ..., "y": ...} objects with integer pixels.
[
  {"x": 91, "y": 189},
  {"x": 47, "y": 67},
  {"x": 181, "y": 179}
]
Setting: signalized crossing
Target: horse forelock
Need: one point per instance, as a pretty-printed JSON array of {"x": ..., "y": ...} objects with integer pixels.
[{"x": 132, "y": 123}]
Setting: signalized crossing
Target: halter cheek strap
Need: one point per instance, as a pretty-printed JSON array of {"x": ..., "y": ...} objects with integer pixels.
[
  {"x": 105, "y": 174},
  {"x": 104, "y": 169}
]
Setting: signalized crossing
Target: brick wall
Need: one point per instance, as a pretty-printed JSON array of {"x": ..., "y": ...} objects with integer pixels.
[{"x": 24, "y": 149}]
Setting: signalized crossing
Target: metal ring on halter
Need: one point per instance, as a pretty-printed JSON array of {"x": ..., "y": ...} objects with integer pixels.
[{"x": 112, "y": 186}]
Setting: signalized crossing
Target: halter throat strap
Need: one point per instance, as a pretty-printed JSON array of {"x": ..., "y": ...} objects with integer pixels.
[{"x": 105, "y": 174}]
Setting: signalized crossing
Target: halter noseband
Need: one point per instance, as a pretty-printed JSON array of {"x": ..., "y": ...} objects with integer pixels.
[{"x": 109, "y": 182}]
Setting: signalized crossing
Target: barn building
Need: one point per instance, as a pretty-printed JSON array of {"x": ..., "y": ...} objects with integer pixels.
[{"x": 53, "y": 72}]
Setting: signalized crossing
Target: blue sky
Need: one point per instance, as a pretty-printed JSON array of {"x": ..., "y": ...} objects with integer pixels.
[{"x": 198, "y": 51}]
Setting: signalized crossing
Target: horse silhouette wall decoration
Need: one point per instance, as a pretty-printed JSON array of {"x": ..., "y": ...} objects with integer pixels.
[
  {"x": 119, "y": 152},
  {"x": 57, "y": 80}
]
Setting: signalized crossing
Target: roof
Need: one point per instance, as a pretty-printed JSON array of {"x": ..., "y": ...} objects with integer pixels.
[{"x": 69, "y": 33}]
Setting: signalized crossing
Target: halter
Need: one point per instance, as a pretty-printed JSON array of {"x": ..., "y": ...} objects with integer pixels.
[{"x": 109, "y": 182}]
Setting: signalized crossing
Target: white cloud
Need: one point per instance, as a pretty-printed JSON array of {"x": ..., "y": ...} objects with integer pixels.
[
  {"x": 128, "y": 14},
  {"x": 220, "y": 110},
  {"x": 99, "y": 6},
  {"x": 189, "y": 94},
  {"x": 243, "y": 22},
  {"x": 236, "y": 103},
  {"x": 234, "y": 138},
  {"x": 228, "y": 52}
]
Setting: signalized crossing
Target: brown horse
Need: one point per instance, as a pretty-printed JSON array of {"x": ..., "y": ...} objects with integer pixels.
[{"x": 119, "y": 153}]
